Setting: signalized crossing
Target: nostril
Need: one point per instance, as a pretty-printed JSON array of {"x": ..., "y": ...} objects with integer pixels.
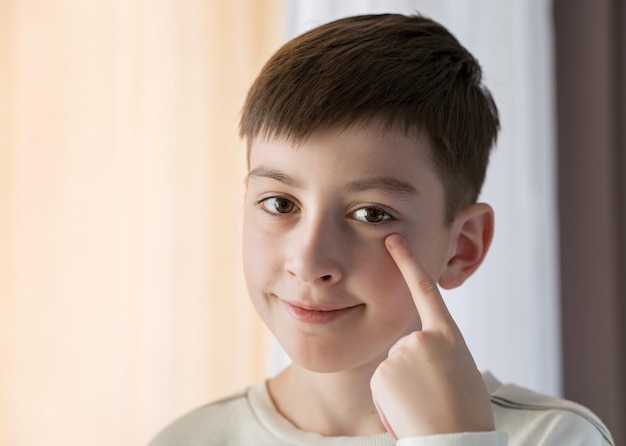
[{"x": 326, "y": 277}]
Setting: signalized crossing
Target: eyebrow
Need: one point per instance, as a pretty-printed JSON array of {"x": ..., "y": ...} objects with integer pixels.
[
  {"x": 273, "y": 174},
  {"x": 390, "y": 185}
]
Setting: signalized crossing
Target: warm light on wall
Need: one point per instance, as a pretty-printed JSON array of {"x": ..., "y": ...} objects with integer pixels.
[{"x": 122, "y": 303}]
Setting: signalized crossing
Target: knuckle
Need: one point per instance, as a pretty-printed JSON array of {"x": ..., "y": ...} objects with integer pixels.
[
  {"x": 426, "y": 285},
  {"x": 418, "y": 339},
  {"x": 433, "y": 342},
  {"x": 379, "y": 377},
  {"x": 374, "y": 381},
  {"x": 386, "y": 372}
]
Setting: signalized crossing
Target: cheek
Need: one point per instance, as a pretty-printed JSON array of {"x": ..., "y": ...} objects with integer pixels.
[
  {"x": 262, "y": 256},
  {"x": 381, "y": 280},
  {"x": 256, "y": 273},
  {"x": 254, "y": 259}
]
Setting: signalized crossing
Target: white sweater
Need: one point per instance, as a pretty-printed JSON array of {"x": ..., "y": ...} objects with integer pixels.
[{"x": 522, "y": 417}]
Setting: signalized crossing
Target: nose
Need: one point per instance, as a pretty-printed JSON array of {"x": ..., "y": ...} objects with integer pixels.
[{"x": 315, "y": 254}]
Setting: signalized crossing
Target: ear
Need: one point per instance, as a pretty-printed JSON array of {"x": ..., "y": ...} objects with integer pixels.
[{"x": 472, "y": 232}]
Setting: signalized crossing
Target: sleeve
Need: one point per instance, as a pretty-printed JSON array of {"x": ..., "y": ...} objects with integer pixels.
[
  {"x": 465, "y": 439},
  {"x": 531, "y": 418},
  {"x": 577, "y": 429}
]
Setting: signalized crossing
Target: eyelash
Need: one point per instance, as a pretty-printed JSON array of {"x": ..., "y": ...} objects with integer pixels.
[{"x": 387, "y": 217}]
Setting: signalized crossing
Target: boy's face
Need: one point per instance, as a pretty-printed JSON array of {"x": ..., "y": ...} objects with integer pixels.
[{"x": 315, "y": 219}]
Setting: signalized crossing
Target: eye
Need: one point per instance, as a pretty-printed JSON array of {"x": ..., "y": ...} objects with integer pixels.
[
  {"x": 371, "y": 214},
  {"x": 278, "y": 205}
]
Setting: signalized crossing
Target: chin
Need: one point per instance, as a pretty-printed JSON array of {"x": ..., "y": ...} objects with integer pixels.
[{"x": 331, "y": 359}]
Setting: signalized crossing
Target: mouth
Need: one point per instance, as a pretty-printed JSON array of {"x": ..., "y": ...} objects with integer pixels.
[{"x": 317, "y": 314}]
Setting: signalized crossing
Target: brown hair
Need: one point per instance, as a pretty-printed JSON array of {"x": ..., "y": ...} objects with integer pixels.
[{"x": 407, "y": 71}]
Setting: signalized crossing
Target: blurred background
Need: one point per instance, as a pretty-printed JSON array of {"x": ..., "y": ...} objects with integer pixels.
[{"x": 122, "y": 301}]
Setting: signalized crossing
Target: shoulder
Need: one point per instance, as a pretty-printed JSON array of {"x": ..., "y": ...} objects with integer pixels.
[
  {"x": 225, "y": 421},
  {"x": 534, "y": 418}
]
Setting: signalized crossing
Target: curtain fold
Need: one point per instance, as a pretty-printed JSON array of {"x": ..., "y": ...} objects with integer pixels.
[{"x": 121, "y": 181}]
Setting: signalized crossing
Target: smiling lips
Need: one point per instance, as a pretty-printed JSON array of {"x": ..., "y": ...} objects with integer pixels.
[{"x": 316, "y": 315}]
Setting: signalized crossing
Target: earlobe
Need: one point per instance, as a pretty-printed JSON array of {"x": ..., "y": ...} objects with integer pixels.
[{"x": 472, "y": 235}]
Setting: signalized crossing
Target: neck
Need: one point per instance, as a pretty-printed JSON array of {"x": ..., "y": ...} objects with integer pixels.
[{"x": 330, "y": 404}]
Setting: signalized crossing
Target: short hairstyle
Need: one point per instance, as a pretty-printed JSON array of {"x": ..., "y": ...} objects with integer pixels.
[{"x": 408, "y": 72}]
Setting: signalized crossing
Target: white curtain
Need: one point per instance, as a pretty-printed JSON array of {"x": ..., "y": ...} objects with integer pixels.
[{"x": 509, "y": 310}]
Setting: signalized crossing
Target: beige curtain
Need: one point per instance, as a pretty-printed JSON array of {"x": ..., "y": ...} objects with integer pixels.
[{"x": 122, "y": 303}]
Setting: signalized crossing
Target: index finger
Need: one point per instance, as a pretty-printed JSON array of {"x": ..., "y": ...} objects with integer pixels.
[{"x": 428, "y": 301}]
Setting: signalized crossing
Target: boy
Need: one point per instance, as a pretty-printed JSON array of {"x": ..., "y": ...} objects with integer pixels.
[{"x": 368, "y": 140}]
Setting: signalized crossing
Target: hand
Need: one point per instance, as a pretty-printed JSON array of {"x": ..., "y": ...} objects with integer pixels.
[{"x": 429, "y": 383}]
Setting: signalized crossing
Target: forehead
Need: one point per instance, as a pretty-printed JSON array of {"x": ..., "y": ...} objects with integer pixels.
[
  {"x": 367, "y": 139},
  {"x": 337, "y": 156}
]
